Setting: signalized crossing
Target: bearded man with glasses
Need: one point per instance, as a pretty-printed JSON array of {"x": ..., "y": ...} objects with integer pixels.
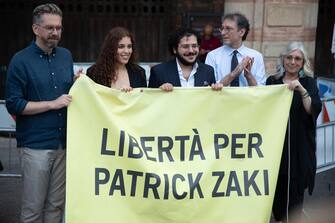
[
  {"x": 184, "y": 70},
  {"x": 38, "y": 81}
]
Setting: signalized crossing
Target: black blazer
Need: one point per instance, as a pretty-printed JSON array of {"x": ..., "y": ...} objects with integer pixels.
[
  {"x": 136, "y": 75},
  {"x": 168, "y": 73}
]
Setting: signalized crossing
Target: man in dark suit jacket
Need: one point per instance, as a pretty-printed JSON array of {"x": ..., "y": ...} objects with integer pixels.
[{"x": 184, "y": 70}]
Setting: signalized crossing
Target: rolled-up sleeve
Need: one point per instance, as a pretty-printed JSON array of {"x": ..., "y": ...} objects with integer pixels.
[
  {"x": 259, "y": 70},
  {"x": 16, "y": 87},
  {"x": 210, "y": 60}
]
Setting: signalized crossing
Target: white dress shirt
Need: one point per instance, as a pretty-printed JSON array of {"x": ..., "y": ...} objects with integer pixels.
[
  {"x": 190, "y": 81},
  {"x": 220, "y": 60}
]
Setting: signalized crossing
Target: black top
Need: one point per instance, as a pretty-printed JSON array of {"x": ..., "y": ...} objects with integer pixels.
[
  {"x": 302, "y": 135},
  {"x": 136, "y": 75},
  {"x": 168, "y": 73}
]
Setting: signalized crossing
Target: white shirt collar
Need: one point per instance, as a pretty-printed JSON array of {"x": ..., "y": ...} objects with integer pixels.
[
  {"x": 190, "y": 82},
  {"x": 230, "y": 50},
  {"x": 180, "y": 71}
]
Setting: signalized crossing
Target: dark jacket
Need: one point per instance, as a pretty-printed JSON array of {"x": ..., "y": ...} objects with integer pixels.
[
  {"x": 136, "y": 74},
  {"x": 302, "y": 136},
  {"x": 168, "y": 73}
]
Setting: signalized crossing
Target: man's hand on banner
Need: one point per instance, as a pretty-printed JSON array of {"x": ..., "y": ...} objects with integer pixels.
[
  {"x": 166, "y": 87},
  {"x": 61, "y": 102},
  {"x": 217, "y": 86}
]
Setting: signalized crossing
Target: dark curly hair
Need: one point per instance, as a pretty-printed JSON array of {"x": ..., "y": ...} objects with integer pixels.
[
  {"x": 104, "y": 70},
  {"x": 180, "y": 33}
]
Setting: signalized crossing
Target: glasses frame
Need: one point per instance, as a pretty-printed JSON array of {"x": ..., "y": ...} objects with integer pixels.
[
  {"x": 227, "y": 29},
  {"x": 188, "y": 46},
  {"x": 51, "y": 29},
  {"x": 295, "y": 58}
]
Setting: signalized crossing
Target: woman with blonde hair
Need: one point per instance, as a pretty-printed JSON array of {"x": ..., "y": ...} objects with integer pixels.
[{"x": 298, "y": 162}]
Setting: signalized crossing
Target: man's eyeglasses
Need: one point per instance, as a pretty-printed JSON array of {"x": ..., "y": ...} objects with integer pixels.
[
  {"x": 187, "y": 46},
  {"x": 290, "y": 58},
  {"x": 226, "y": 29},
  {"x": 51, "y": 29}
]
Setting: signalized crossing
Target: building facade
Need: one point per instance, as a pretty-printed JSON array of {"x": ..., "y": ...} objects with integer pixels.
[{"x": 274, "y": 23}]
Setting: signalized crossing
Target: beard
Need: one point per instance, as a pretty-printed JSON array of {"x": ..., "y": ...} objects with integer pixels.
[
  {"x": 52, "y": 44},
  {"x": 52, "y": 41},
  {"x": 185, "y": 62}
]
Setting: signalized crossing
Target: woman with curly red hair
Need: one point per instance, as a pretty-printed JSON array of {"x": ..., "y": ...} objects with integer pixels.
[{"x": 116, "y": 65}]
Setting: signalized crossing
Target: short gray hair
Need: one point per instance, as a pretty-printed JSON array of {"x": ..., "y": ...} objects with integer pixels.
[
  {"x": 48, "y": 8},
  {"x": 307, "y": 70}
]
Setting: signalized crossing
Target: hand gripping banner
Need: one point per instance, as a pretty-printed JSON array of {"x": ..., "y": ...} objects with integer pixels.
[{"x": 191, "y": 155}]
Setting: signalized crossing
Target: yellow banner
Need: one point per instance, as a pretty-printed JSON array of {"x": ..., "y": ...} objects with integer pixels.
[{"x": 191, "y": 155}]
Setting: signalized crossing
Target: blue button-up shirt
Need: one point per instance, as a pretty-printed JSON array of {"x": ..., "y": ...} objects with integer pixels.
[{"x": 34, "y": 75}]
